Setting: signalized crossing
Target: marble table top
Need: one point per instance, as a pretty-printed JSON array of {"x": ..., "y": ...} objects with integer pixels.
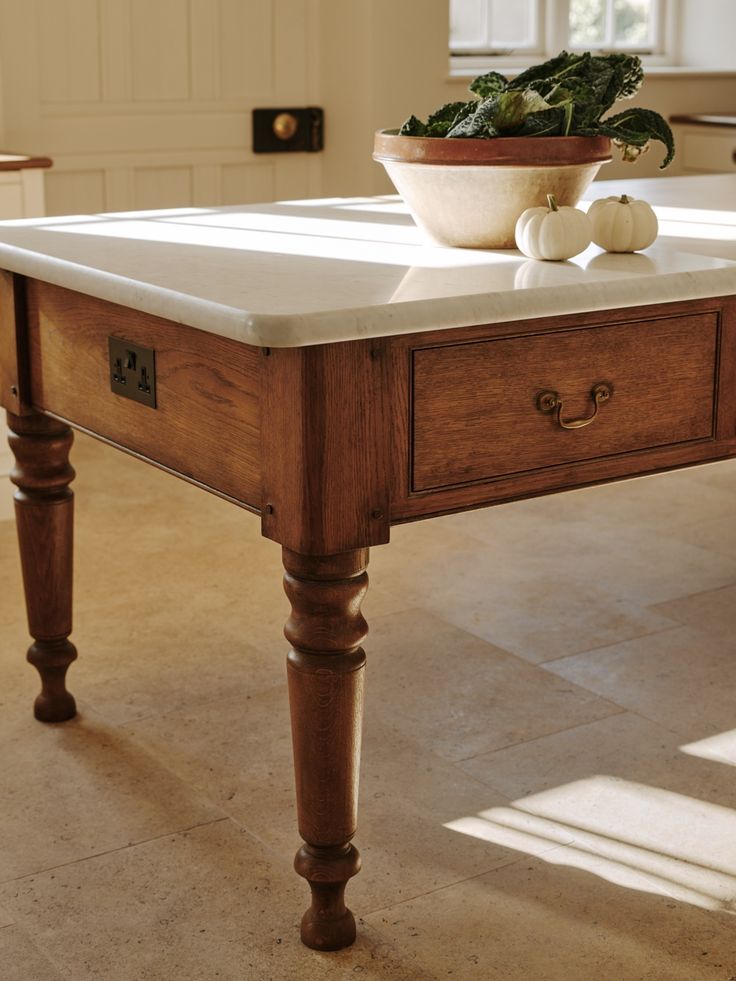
[{"x": 297, "y": 273}]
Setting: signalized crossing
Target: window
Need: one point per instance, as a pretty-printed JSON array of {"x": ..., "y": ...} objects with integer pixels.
[
  {"x": 495, "y": 26},
  {"x": 484, "y": 31},
  {"x": 614, "y": 24}
]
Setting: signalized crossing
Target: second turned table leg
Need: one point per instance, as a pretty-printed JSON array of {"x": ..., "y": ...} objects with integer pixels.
[
  {"x": 44, "y": 510},
  {"x": 326, "y": 668}
]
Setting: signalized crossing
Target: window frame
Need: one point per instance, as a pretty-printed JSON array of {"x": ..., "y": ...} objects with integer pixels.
[
  {"x": 553, "y": 26},
  {"x": 536, "y": 48}
]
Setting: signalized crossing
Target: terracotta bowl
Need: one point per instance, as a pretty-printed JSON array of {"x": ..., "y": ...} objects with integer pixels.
[{"x": 470, "y": 193}]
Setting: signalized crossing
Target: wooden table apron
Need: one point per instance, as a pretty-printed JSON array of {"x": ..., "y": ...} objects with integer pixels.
[{"x": 331, "y": 445}]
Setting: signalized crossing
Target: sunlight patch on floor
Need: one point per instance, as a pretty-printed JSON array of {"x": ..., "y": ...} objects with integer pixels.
[
  {"x": 636, "y": 836},
  {"x": 720, "y": 748}
]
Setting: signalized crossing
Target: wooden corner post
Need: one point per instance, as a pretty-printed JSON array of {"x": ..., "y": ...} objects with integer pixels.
[
  {"x": 44, "y": 509},
  {"x": 326, "y": 500}
]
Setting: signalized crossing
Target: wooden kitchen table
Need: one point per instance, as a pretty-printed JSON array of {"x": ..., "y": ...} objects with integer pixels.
[{"x": 318, "y": 365}]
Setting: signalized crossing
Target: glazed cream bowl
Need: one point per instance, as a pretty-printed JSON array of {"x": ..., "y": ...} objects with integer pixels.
[{"x": 470, "y": 192}]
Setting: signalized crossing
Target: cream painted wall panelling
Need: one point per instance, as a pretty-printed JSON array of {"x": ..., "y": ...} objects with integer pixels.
[{"x": 147, "y": 103}]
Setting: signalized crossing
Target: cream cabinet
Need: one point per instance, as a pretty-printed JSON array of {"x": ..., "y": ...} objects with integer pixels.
[
  {"x": 706, "y": 144},
  {"x": 21, "y": 186}
]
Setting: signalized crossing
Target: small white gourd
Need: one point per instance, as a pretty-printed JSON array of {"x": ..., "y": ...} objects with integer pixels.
[
  {"x": 554, "y": 232},
  {"x": 623, "y": 224}
]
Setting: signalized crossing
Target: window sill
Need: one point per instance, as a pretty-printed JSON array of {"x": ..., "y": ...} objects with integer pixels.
[{"x": 462, "y": 75}]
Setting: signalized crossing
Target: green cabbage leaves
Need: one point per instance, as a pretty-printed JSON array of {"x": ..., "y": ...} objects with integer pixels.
[{"x": 566, "y": 96}]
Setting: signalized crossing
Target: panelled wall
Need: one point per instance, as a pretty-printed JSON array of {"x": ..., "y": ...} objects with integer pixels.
[{"x": 147, "y": 103}]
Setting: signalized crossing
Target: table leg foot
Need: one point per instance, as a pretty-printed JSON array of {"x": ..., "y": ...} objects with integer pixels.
[
  {"x": 44, "y": 512},
  {"x": 325, "y": 668},
  {"x": 51, "y": 659},
  {"x": 328, "y": 924}
]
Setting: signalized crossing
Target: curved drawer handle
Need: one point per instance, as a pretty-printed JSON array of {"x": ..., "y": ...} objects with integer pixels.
[{"x": 551, "y": 401}]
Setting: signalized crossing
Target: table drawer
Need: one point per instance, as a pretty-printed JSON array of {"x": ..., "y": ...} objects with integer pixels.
[{"x": 477, "y": 411}]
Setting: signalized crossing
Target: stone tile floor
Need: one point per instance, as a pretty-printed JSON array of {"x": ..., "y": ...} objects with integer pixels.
[{"x": 547, "y": 790}]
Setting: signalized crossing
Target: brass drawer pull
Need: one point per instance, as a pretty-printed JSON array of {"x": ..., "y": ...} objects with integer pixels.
[{"x": 549, "y": 401}]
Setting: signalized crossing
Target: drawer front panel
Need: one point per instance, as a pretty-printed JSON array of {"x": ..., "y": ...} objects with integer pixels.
[
  {"x": 206, "y": 425},
  {"x": 475, "y": 411}
]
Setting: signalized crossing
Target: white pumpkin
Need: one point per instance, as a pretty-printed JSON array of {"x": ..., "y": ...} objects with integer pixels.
[
  {"x": 554, "y": 232},
  {"x": 623, "y": 224}
]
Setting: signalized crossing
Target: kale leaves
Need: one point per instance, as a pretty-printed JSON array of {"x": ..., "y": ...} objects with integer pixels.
[{"x": 565, "y": 96}]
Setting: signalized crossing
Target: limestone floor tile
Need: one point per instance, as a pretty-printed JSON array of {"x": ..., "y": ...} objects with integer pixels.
[
  {"x": 6, "y": 918},
  {"x": 547, "y": 600},
  {"x": 238, "y": 755},
  {"x": 206, "y": 904},
  {"x": 12, "y": 609},
  {"x": 171, "y": 553},
  {"x": 552, "y": 923},
  {"x": 721, "y": 475},
  {"x": 716, "y": 535},
  {"x": 624, "y": 746},
  {"x": 137, "y": 658},
  {"x": 6, "y": 499},
  {"x": 447, "y": 689},
  {"x": 140, "y": 528},
  {"x": 713, "y": 611},
  {"x": 631, "y": 833},
  {"x": 81, "y": 788},
  {"x": 21, "y": 960},
  {"x": 541, "y": 618},
  {"x": 656, "y": 501},
  {"x": 680, "y": 678},
  {"x": 629, "y": 794},
  {"x": 643, "y": 565},
  {"x": 20, "y": 681}
]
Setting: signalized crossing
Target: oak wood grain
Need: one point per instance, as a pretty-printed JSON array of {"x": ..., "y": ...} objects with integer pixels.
[
  {"x": 326, "y": 447},
  {"x": 44, "y": 510},
  {"x": 409, "y": 504},
  {"x": 475, "y": 414},
  {"x": 15, "y": 394},
  {"x": 325, "y": 668},
  {"x": 726, "y": 389},
  {"x": 206, "y": 426}
]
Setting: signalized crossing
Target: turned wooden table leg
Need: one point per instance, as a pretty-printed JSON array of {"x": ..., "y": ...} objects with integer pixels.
[
  {"x": 44, "y": 511},
  {"x": 325, "y": 668}
]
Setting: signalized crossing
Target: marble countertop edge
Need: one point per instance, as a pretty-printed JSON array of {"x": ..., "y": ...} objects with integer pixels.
[
  {"x": 215, "y": 318},
  {"x": 284, "y": 330},
  {"x": 409, "y": 317}
]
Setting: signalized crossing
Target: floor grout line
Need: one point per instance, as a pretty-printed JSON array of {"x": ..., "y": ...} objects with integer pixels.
[
  {"x": 702, "y": 592},
  {"x": 535, "y": 739},
  {"x": 111, "y": 851},
  {"x": 656, "y": 633},
  {"x": 450, "y": 885},
  {"x": 627, "y": 640}
]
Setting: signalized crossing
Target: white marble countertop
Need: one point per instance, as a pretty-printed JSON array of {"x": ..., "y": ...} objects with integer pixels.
[{"x": 306, "y": 272}]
